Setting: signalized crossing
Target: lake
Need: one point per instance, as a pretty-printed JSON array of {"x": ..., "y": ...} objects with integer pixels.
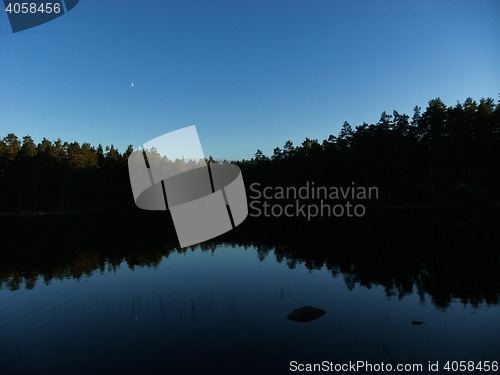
[{"x": 94, "y": 294}]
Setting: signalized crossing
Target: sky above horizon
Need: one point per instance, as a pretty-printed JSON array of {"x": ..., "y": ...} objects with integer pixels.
[{"x": 248, "y": 74}]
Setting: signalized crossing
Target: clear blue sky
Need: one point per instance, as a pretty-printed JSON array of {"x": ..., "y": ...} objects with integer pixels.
[{"x": 248, "y": 74}]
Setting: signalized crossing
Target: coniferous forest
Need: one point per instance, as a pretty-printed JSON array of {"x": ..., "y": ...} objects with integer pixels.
[{"x": 438, "y": 156}]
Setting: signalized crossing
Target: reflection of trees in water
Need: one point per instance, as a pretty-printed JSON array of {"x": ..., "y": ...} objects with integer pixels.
[
  {"x": 73, "y": 246},
  {"x": 443, "y": 255},
  {"x": 447, "y": 256}
]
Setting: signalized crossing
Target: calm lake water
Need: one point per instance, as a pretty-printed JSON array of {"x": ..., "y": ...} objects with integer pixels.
[{"x": 222, "y": 307}]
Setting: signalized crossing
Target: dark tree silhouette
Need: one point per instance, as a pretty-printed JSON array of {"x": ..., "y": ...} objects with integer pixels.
[{"x": 443, "y": 155}]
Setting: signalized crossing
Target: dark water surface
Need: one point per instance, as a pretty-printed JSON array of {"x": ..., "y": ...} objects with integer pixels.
[{"x": 114, "y": 295}]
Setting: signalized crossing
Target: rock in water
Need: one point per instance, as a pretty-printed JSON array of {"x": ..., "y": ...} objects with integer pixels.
[
  {"x": 417, "y": 322},
  {"x": 306, "y": 314}
]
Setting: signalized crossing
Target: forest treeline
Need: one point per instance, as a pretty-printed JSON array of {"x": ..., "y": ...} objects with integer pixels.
[
  {"x": 439, "y": 155},
  {"x": 443, "y": 154},
  {"x": 61, "y": 176}
]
